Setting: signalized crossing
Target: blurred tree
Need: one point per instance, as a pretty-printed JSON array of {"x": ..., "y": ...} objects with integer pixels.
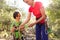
[
  {"x": 5, "y": 14},
  {"x": 54, "y": 16}
]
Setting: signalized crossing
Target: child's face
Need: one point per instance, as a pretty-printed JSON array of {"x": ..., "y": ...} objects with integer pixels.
[
  {"x": 18, "y": 17},
  {"x": 29, "y": 2}
]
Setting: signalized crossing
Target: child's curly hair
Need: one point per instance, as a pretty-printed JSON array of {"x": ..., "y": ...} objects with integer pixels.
[{"x": 15, "y": 14}]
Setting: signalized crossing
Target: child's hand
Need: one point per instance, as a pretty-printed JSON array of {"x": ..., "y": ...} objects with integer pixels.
[{"x": 12, "y": 30}]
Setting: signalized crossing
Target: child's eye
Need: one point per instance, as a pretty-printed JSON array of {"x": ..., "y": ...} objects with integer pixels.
[{"x": 18, "y": 16}]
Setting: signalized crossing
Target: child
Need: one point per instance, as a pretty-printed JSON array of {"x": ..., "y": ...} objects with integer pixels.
[
  {"x": 15, "y": 25},
  {"x": 38, "y": 11}
]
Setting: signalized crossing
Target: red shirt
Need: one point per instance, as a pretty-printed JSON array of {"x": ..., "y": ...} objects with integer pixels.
[{"x": 36, "y": 10}]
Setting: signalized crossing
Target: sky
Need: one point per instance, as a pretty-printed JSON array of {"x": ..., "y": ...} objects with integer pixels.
[{"x": 21, "y": 4}]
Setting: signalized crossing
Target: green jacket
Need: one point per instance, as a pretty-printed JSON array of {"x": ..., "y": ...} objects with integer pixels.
[{"x": 18, "y": 34}]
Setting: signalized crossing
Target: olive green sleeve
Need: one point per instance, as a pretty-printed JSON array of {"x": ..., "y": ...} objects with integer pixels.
[{"x": 11, "y": 25}]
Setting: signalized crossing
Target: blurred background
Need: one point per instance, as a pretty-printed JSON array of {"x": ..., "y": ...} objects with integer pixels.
[{"x": 8, "y": 7}]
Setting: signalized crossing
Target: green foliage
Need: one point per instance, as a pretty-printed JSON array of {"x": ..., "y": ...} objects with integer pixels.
[
  {"x": 5, "y": 14},
  {"x": 54, "y": 16}
]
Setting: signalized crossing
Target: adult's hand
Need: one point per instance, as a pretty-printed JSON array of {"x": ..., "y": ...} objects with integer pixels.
[
  {"x": 31, "y": 25},
  {"x": 21, "y": 27}
]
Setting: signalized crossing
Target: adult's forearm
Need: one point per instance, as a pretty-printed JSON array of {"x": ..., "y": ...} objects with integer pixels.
[
  {"x": 43, "y": 17},
  {"x": 26, "y": 21}
]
